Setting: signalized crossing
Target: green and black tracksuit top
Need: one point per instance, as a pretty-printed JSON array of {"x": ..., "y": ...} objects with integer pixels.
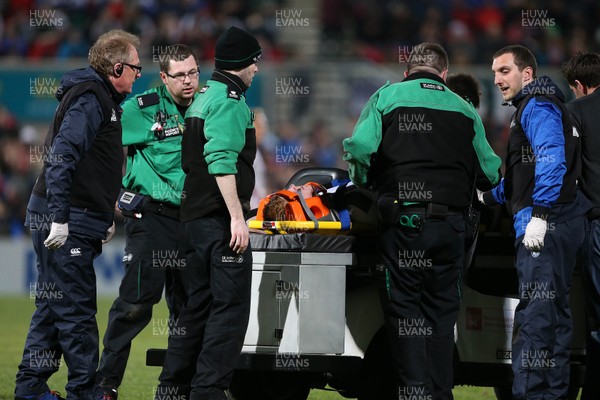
[
  {"x": 153, "y": 126},
  {"x": 423, "y": 142},
  {"x": 219, "y": 140}
]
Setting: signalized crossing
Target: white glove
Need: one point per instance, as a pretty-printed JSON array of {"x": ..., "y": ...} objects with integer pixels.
[
  {"x": 480, "y": 196},
  {"x": 109, "y": 233},
  {"x": 58, "y": 235},
  {"x": 534, "y": 234}
]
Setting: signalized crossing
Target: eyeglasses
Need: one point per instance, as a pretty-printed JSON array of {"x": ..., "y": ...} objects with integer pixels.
[
  {"x": 136, "y": 68},
  {"x": 181, "y": 76}
]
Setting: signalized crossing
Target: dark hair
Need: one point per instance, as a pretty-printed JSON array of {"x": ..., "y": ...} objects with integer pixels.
[
  {"x": 522, "y": 55},
  {"x": 429, "y": 55},
  {"x": 175, "y": 52},
  {"x": 584, "y": 67},
  {"x": 466, "y": 86}
]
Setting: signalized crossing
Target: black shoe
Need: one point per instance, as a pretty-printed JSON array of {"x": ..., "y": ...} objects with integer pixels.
[{"x": 105, "y": 393}]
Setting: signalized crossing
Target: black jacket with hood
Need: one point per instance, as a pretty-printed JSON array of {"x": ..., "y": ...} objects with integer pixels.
[{"x": 83, "y": 153}]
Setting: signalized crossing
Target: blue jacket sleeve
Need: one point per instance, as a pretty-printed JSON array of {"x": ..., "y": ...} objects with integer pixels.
[
  {"x": 75, "y": 137},
  {"x": 542, "y": 122},
  {"x": 498, "y": 194}
]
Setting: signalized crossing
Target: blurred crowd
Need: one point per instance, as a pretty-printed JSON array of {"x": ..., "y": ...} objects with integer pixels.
[
  {"x": 374, "y": 30},
  {"x": 470, "y": 30},
  {"x": 37, "y": 29}
]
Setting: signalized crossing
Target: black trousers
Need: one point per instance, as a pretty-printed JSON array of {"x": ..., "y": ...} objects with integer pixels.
[
  {"x": 591, "y": 277},
  {"x": 215, "y": 315},
  {"x": 420, "y": 284},
  {"x": 543, "y": 328},
  {"x": 64, "y": 321},
  {"x": 154, "y": 260}
]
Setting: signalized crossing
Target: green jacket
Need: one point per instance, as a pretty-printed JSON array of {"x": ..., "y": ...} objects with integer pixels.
[
  {"x": 219, "y": 140},
  {"x": 422, "y": 142},
  {"x": 153, "y": 164}
]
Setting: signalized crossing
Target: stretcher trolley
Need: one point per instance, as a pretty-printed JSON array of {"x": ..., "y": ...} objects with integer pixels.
[{"x": 316, "y": 320}]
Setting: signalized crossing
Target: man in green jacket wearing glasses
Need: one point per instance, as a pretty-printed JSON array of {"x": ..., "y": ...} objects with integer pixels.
[{"x": 153, "y": 127}]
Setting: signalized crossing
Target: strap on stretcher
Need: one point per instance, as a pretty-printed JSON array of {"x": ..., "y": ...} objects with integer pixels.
[{"x": 327, "y": 227}]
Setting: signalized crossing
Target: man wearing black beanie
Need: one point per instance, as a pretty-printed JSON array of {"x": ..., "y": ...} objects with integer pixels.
[{"x": 218, "y": 150}]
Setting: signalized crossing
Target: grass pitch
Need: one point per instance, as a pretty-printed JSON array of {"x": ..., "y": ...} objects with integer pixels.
[{"x": 140, "y": 380}]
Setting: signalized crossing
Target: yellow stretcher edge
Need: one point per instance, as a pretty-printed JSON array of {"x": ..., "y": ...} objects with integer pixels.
[{"x": 326, "y": 227}]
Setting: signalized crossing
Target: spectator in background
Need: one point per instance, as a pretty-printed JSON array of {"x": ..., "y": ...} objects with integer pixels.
[
  {"x": 9, "y": 127},
  {"x": 582, "y": 72},
  {"x": 324, "y": 152},
  {"x": 17, "y": 180}
]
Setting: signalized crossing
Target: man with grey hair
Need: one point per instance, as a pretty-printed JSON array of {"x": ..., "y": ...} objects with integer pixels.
[
  {"x": 422, "y": 148},
  {"x": 70, "y": 214}
]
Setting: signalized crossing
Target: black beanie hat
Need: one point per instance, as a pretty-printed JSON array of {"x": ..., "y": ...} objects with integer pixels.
[{"x": 236, "y": 49}]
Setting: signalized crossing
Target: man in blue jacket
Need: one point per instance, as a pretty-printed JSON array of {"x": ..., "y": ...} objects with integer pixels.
[
  {"x": 540, "y": 191},
  {"x": 70, "y": 214}
]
